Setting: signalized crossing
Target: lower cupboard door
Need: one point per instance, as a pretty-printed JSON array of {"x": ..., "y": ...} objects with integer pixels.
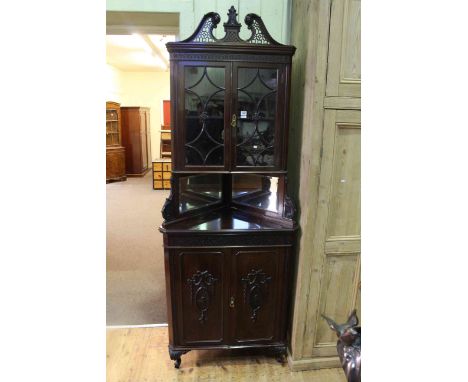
[
  {"x": 256, "y": 302},
  {"x": 198, "y": 295}
]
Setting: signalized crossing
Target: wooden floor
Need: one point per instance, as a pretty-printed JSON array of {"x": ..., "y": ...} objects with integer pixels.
[{"x": 141, "y": 355}]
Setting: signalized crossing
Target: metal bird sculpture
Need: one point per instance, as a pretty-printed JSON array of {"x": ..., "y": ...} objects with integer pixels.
[{"x": 348, "y": 345}]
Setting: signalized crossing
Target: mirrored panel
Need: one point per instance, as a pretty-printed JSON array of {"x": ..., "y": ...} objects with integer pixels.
[
  {"x": 197, "y": 191},
  {"x": 204, "y": 115},
  {"x": 260, "y": 191}
]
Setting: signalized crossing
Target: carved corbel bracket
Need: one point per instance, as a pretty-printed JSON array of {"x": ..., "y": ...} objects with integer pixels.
[{"x": 168, "y": 207}]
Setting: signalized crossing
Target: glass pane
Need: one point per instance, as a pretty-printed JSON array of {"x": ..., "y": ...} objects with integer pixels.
[
  {"x": 204, "y": 115},
  {"x": 108, "y": 139},
  {"x": 111, "y": 115},
  {"x": 198, "y": 191},
  {"x": 256, "y": 111},
  {"x": 258, "y": 191},
  {"x": 115, "y": 138}
]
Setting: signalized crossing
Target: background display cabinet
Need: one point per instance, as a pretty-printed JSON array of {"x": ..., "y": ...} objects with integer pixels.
[
  {"x": 229, "y": 226},
  {"x": 115, "y": 152},
  {"x": 136, "y": 138}
]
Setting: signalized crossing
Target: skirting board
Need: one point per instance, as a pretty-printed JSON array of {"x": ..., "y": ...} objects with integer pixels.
[
  {"x": 135, "y": 326},
  {"x": 313, "y": 363},
  {"x": 139, "y": 175}
]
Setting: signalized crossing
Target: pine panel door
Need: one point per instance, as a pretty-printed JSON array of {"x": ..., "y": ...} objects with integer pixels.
[
  {"x": 340, "y": 236},
  {"x": 344, "y": 55}
]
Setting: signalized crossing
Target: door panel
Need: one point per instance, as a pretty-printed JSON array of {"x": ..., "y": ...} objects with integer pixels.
[
  {"x": 143, "y": 141},
  {"x": 199, "y": 289},
  {"x": 339, "y": 212},
  {"x": 344, "y": 56},
  {"x": 345, "y": 195},
  {"x": 256, "y": 283},
  {"x": 258, "y": 98},
  {"x": 203, "y": 112},
  {"x": 340, "y": 270}
]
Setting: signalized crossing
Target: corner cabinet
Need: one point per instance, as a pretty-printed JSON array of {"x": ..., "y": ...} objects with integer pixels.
[
  {"x": 115, "y": 152},
  {"x": 229, "y": 225}
]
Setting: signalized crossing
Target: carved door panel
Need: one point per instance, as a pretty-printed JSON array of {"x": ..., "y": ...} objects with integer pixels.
[
  {"x": 202, "y": 115},
  {"x": 199, "y": 295},
  {"x": 256, "y": 299},
  {"x": 258, "y": 114}
]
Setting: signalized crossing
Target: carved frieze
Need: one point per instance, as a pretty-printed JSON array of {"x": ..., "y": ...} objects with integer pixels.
[
  {"x": 228, "y": 240},
  {"x": 207, "y": 56}
]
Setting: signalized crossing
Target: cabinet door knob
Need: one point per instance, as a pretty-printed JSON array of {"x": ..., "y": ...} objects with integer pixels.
[
  {"x": 231, "y": 302},
  {"x": 234, "y": 120}
]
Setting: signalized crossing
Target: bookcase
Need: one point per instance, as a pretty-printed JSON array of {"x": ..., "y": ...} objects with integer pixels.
[{"x": 115, "y": 152}]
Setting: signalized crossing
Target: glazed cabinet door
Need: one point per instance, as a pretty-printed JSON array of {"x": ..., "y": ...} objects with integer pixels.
[
  {"x": 202, "y": 115},
  {"x": 257, "y": 295},
  {"x": 258, "y": 116},
  {"x": 198, "y": 295}
]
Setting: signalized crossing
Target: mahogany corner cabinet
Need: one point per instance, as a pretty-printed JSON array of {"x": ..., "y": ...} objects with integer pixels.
[{"x": 229, "y": 227}]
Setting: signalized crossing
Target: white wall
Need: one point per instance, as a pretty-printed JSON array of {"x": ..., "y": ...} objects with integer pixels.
[
  {"x": 150, "y": 88},
  {"x": 113, "y": 84},
  {"x": 145, "y": 89},
  {"x": 276, "y": 14}
]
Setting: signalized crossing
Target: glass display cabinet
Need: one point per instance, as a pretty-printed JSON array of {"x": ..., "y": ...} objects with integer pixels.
[
  {"x": 115, "y": 152},
  {"x": 229, "y": 225}
]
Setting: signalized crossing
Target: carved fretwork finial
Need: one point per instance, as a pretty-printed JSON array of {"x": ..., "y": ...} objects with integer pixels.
[
  {"x": 232, "y": 17},
  {"x": 232, "y": 27}
]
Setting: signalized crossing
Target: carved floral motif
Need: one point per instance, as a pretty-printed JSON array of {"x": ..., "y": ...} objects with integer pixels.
[
  {"x": 201, "y": 292},
  {"x": 255, "y": 290}
]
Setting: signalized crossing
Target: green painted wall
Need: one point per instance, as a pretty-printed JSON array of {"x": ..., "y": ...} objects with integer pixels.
[{"x": 275, "y": 13}]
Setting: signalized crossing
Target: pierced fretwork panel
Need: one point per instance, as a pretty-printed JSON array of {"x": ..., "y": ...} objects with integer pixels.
[
  {"x": 204, "y": 115},
  {"x": 256, "y": 111},
  {"x": 205, "y": 34},
  {"x": 257, "y": 34}
]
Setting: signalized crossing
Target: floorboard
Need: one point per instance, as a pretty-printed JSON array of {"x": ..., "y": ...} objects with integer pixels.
[{"x": 141, "y": 355}]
